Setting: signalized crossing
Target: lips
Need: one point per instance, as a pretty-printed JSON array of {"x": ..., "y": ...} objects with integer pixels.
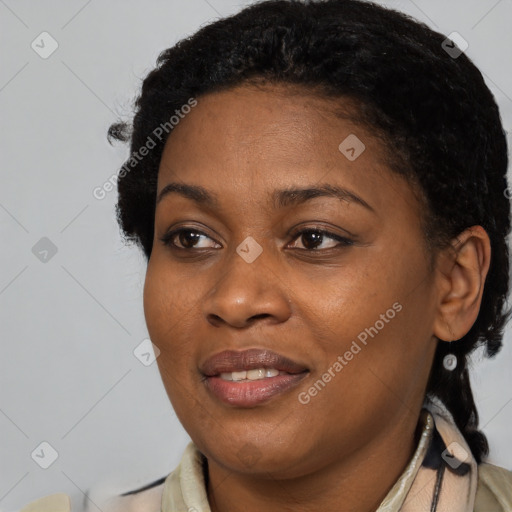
[
  {"x": 250, "y": 393},
  {"x": 234, "y": 361}
]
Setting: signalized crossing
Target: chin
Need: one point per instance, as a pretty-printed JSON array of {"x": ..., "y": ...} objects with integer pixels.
[{"x": 237, "y": 451}]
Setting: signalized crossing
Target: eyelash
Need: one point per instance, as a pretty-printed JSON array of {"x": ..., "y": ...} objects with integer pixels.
[{"x": 168, "y": 237}]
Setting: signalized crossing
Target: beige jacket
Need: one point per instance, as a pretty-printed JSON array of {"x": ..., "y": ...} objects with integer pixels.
[
  {"x": 484, "y": 488},
  {"x": 494, "y": 491}
]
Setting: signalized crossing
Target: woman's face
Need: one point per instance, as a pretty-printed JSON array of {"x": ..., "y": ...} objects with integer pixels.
[{"x": 352, "y": 309}]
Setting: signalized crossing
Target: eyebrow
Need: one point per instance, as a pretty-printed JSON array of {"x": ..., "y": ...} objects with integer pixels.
[{"x": 291, "y": 196}]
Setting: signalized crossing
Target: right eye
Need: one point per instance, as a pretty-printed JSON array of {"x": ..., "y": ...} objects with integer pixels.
[{"x": 186, "y": 237}]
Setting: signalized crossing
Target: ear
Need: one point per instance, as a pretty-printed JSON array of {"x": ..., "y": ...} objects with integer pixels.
[{"x": 461, "y": 272}]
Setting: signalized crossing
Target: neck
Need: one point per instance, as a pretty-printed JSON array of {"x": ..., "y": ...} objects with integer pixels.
[{"x": 358, "y": 482}]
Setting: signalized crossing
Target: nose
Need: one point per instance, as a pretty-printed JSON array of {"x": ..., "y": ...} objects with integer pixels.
[{"x": 246, "y": 293}]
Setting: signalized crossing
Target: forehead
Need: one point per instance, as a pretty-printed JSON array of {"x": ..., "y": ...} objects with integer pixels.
[
  {"x": 275, "y": 136},
  {"x": 282, "y": 119}
]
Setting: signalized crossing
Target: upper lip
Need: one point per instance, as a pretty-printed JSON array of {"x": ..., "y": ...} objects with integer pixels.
[{"x": 233, "y": 360}]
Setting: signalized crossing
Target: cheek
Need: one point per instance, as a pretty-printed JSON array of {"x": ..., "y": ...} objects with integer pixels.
[
  {"x": 352, "y": 300},
  {"x": 378, "y": 318},
  {"x": 155, "y": 300},
  {"x": 165, "y": 299},
  {"x": 165, "y": 309},
  {"x": 172, "y": 303}
]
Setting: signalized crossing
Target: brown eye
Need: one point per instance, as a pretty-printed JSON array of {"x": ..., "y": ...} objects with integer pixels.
[
  {"x": 184, "y": 238},
  {"x": 313, "y": 238}
]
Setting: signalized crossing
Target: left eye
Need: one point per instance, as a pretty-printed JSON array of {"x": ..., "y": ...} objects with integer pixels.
[{"x": 314, "y": 236}]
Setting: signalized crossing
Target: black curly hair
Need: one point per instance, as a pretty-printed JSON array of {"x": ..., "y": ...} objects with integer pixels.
[{"x": 430, "y": 107}]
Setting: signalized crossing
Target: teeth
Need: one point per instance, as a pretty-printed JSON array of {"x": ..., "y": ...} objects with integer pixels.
[
  {"x": 256, "y": 374},
  {"x": 248, "y": 375}
]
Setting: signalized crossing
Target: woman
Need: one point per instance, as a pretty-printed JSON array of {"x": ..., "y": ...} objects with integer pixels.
[{"x": 325, "y": 229}]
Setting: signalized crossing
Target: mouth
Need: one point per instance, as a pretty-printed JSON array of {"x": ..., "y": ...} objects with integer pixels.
[{"x": 251, "y": 377}]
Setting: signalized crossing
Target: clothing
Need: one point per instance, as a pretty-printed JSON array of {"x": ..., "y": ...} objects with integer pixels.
[{"x": 442, "y": 458}]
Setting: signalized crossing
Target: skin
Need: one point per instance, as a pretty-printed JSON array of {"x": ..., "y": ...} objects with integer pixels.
[{"x": 305, "y": 298}]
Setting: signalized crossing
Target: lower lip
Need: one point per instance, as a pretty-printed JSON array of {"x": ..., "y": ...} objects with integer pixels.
[{"x": 251, "y": 393}]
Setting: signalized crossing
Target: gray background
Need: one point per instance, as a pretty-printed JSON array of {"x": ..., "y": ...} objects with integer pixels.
[{"x": 70, "y": 321}]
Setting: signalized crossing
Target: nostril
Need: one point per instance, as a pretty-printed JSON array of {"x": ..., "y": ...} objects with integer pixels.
[
  {"x": 215, "y": 320},
  {"x": 261, "y": 315}
]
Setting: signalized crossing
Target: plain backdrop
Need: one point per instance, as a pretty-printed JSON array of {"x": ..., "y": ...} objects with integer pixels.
[{"x": 71, "y": 292}]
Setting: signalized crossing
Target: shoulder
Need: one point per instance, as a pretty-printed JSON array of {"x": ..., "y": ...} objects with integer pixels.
[
  {"x": 55, "y": 502},
  {"x": 494, "y": 491},
  {"x": 147, "y": 498}
]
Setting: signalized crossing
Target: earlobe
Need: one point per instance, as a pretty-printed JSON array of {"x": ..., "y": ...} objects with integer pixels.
[{"x": 462, "y": 271}]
